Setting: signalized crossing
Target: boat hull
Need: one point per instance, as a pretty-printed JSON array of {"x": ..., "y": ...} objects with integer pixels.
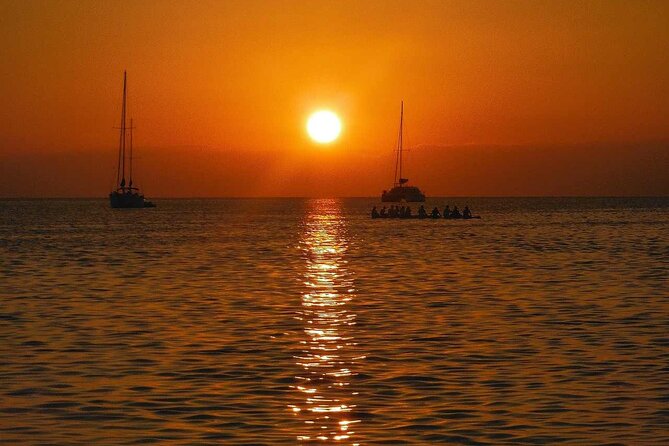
[
  {"x": 427, "y": 217},
  {"x": 128, "y": 200},
  {"x": 397, "y": 194}
]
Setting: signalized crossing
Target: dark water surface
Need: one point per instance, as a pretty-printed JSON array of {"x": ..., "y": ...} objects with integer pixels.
[{"x": 298, "y": 321}]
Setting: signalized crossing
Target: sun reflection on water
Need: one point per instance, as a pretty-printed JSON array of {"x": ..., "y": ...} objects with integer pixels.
[{"x": 327, "y": 355}]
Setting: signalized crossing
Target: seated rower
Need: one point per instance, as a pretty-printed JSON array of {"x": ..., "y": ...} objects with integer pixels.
[
  {"x": 447, "y": 212},
  {"x": 466, "y": 213},
  {"x": 375, "y": 213},
  {"x": 456, "y": 213},
  {"x": 421, "y": 212},
  {"x": 435, "y": 213},
  {"x": 407, "y": 213},
  {"x": 383, "y": 213}
]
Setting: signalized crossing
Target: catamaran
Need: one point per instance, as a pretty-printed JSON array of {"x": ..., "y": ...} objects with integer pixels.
[
  {"x": 401, "y": 192},
  {"x": 126, "y": 195}
]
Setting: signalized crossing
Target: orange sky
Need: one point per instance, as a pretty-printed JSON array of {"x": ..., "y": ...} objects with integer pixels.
[{"x": 501, "y": 98}]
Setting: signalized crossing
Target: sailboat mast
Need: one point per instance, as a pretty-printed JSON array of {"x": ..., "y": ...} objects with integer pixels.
[
  {"x": 398, "y": 156},
  {"x": 400, "y": 143},
  {"x": 130, "y": 158},
  {"x": 123, "y": 131},
  {"x": 120, "y": 141}
]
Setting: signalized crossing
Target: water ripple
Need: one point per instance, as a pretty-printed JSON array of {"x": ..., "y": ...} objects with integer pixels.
[{"x": 284, "y": 321}]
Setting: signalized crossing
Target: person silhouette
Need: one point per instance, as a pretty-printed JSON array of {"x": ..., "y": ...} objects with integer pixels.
[
  {"x": 421, "y": 212},
  {"x": 375, "y": 213},
  {"x": 383, "y": 213},
  {"x": 456, "y": 213},
  {"x": 466, "y": 213},
  {"x": 447, "y": 212},
  {"x": 435, "y": 213}
]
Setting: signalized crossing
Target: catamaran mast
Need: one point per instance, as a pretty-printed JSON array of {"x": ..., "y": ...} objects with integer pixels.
[
  {"x": 401, "y": 128},
  {"x": 398, "y": 159}
]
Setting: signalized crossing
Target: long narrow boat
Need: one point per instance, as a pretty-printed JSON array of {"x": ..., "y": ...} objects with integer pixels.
[
  {"x": 126, "y": 195},
  {"x": 428, "y": 217}
]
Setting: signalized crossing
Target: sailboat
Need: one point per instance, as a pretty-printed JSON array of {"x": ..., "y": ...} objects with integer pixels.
[
  {"x": 400, "y": 191},
  {"x": 126, "y": 195}
]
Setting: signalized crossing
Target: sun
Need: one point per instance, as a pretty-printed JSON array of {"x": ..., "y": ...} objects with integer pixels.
[{"x": 323, "y": 126}]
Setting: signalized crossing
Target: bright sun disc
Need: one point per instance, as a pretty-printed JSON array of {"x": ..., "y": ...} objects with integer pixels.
[{"x": 323, "y": 126}]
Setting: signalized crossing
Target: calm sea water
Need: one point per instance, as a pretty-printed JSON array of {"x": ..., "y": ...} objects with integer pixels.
[{"x": 303, "y": 321}]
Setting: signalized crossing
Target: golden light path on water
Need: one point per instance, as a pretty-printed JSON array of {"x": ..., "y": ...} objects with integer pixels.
[{"x": 328, "y": 356}]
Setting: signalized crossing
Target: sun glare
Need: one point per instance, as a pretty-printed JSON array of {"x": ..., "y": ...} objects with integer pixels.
[{"x": 323, "y": 126}]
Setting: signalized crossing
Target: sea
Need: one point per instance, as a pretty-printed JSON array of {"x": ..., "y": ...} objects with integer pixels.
[{"x": 304, "y": 321}]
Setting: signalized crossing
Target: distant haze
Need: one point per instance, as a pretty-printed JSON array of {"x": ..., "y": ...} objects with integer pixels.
[
  {"x": 501, "y": 98},
  {"x": 606, "y": 170}
]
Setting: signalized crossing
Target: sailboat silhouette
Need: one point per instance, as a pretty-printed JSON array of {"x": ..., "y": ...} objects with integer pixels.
[
  {"x": 126, "y": 195},
  {"x": 400, "y": 192}
]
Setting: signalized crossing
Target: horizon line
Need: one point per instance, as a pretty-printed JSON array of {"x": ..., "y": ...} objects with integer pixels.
[{"x": 304, "y": 197}]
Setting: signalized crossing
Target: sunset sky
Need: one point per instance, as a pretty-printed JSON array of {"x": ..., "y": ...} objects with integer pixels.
[{"x": 501, "y": 97}]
